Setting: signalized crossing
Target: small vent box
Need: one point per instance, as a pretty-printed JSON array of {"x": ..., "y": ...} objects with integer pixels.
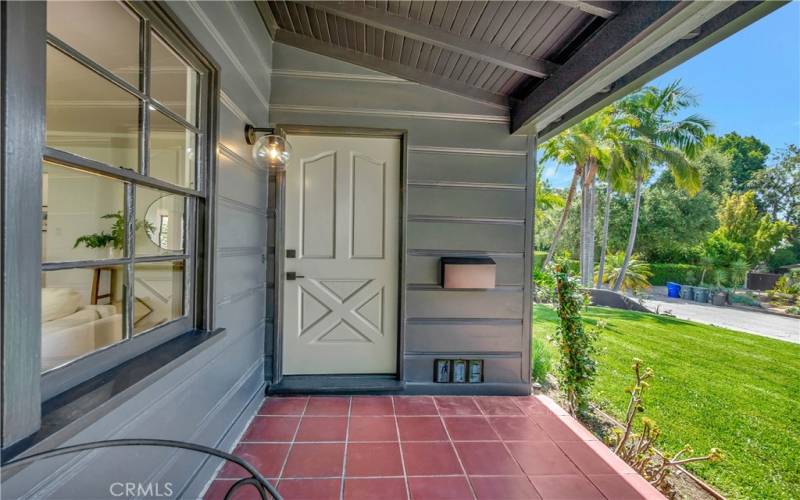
[{"x": 468, "y": 272}]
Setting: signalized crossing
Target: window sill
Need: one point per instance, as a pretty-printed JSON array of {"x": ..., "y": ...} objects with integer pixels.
[{"x": 76, "y": 409}]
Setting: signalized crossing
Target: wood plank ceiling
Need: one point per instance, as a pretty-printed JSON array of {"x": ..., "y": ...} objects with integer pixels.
[
  {"x": 551, "y": 62},
  {"x": 487, "y": 50}
]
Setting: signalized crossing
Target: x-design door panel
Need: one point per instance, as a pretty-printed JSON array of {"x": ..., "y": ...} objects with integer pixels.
[{"x": 342, "y": 216}]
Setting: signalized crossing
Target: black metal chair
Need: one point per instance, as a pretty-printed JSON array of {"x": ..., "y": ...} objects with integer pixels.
[{"x": 265, "y": 490}]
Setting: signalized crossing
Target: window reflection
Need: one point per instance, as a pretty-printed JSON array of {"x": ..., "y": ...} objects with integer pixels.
[
  {"x": 105, "y": 32},
  {"x": 81, "y": 312},
  {"x": 89, "y": 116},
  {"x": 160, "y": 222},
  {"x": 173, "y": 83},
  {"x": 158, "y": 294},
  {"x": 82, "y": 215},
  {"x": 172, "y": 151}
]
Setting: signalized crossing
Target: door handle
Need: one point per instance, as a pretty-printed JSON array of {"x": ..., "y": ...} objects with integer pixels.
[{"x": 291, "y": 276}]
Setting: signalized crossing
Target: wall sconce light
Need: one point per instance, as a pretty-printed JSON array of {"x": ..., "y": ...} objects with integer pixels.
[{"x": 269, "y": 148}]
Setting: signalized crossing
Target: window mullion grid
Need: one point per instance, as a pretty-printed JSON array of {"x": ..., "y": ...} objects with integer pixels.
[
  {"x": 130, "y": 253},
  {"x": 144, "y": 118},
  {"x": 89, "y": 64},
  {"x": 189, "y": 247}
]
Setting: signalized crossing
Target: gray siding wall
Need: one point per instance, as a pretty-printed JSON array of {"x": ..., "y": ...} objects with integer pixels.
[
  {"x": 209, "y": 395},
  {"x": 466, "y": 196}
]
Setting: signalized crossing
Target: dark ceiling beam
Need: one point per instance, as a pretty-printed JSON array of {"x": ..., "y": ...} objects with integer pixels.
[
  {"x": 267, "y": 17},
  {"x": 605, "y": 10},
  {"x": 389, "y": 67},
  {"x": 639, "y": 32},
  {"x": 734, "y": 19},
  {"x": 424, "y": 32}
]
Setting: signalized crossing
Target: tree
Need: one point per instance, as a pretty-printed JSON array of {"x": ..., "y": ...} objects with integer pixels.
[
  {"x": 741, "y": 223},
  {"x": 546, "y": 197},
  {"x": 777, "y": 188},
  {"x": 674, "y": 224},
  {"x": 748, "y": 156},
  {"x": 583, "y": 147},
  {"x": 659, "y": 139}
]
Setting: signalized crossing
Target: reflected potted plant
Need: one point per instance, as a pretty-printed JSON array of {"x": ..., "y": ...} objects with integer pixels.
[{"x": 114, "y": 240}]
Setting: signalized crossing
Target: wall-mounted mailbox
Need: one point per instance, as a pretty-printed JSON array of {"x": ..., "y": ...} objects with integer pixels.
[{"x": 468, "y": 272}]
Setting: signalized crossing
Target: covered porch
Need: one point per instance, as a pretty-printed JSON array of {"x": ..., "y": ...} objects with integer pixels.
[
  {"x": 415, "y": 126},
  {"x": 423, "y": 447}
]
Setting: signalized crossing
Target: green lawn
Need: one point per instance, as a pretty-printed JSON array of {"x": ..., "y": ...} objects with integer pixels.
[{"x": 712, "y": 388}]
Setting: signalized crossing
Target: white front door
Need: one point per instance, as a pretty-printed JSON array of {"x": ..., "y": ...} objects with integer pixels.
[{"x": 342, "y": 217}]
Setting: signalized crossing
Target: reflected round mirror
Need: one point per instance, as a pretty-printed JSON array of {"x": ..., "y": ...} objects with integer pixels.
[{"x": 164, "y": 222}]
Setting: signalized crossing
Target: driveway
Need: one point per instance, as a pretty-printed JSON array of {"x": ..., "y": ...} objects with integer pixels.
[{"x": 764, "y": 324}]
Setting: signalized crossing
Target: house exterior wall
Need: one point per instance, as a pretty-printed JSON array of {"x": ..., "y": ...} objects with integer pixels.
[
  {"x": 208, "y": 395},
  {"x": 467, "y": 195}
]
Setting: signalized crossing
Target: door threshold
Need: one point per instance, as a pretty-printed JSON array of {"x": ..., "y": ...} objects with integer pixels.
[{"x": 337, "y": 384}]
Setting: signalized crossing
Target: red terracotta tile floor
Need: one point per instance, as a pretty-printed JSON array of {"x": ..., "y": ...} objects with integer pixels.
[{"x": 422, "y": 447}]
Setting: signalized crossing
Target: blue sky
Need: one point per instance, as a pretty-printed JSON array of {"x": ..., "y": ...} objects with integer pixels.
[{"x": 748, "y": 83}]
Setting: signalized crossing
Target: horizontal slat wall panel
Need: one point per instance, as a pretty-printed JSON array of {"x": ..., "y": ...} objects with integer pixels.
[
  {"x": 426, "y": 270},
  {"x": 231, "y": 130},
  {"x": 198, "y": 402},
  {"x": 462, "y": 336},
  {"x": 243, "y": 73},
  {"x": 505, "y": 369},
  {"x": 243, "y": 312},
  {"x": 238, "y": 227},
  {"x": 463, "y": 304},
  {"x": 371, "y": 94},
  {"x": 465, "y": 168},
  {"x": 239, "y": 181},
  {"x": 285, "y": 58},
  {"x": 239, "y": 273},
  {"x": 424, "y": 132},
  {"x": 466, "y": 202},
  {"x": 466, "y": 236}
]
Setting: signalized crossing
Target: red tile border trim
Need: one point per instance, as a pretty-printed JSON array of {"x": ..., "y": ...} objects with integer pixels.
[{"x": 619, "y": 466}]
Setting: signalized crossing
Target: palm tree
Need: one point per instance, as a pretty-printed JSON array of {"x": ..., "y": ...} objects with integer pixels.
[
  {"x": 658, "y": 138},
  {"x": 583, "y": 146},
  {"x": 546, "y": 197},
  {"x": 637, "y": 275},
  {"x": 617, "y": 178}
]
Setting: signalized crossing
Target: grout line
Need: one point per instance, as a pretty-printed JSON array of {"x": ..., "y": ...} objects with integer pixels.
[
  {"x": 505, "y": 446},
  {"x": 453, "y": 446},
  {"x": 346, "y": 438},
  {"x": 294, "y": 437},
  {"x": 400, "y": 447}
]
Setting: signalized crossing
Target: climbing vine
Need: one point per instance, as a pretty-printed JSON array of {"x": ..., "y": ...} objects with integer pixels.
[{"x": 577, "y": 368}]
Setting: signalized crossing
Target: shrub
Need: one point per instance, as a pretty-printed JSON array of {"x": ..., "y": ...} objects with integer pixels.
[
  {"x": 542, "y": 359},
  {"x": 636, "y": 275},
  {"x": 545, "y": 285},
  {"x": 787, "y": 284},
  {"x": 793, "y": 310},
  {"x": 677, "y": 273},
  {"x": 723, "y": 251},
  {"x": 746, "y": 300},
  {"x": 782, "y": 257},
  {"x": 576, "y": 368}
]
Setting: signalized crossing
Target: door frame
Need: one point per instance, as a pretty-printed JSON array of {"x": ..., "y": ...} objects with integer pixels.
[{"x": 280, "y": 250}]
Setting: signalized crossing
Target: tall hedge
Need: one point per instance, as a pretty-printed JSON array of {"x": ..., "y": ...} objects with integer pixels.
[{"x": 673, "y": 272}]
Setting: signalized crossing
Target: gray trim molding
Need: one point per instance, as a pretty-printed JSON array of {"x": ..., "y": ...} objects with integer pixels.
[{"x": 23, "y": 132}]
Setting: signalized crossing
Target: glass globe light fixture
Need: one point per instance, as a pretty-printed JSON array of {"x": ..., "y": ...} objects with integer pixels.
[{"x": 271, "y": 150}]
